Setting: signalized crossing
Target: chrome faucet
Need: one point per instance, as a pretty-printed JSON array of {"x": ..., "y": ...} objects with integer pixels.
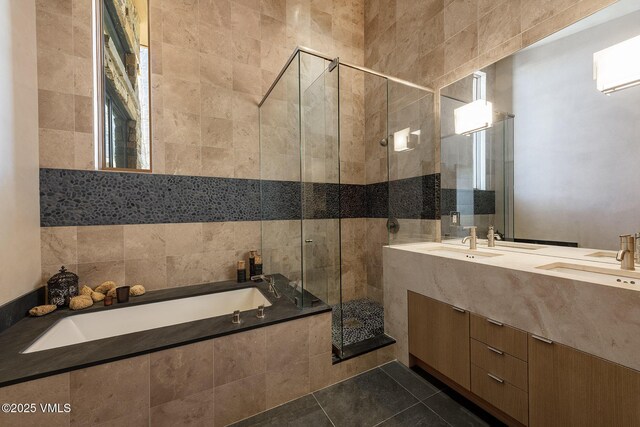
[
  {"x": 626, "y": 254},
  {"x": 472, "y": 238},
  {"x": 270, "y": 280},
  {"x": 491, "y": 237}
]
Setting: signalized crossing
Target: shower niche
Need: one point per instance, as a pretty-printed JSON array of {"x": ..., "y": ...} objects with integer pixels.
[{"x": 325, "y": 186}]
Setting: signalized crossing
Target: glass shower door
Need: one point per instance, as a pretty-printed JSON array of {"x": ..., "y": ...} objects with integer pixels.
[{"x": 320, "y": 191}]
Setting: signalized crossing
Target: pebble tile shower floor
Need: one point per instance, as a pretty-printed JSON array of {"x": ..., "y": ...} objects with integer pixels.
[
  {"x": 390, "y": 395},
  {"x": 361, "y": 319}
]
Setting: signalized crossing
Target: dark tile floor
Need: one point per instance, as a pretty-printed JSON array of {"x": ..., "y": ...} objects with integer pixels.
[{"x": 391, "y": 395}]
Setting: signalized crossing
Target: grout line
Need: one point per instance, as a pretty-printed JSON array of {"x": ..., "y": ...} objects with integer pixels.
[
  {"x": 389, "y": 375},
  {"x": 325, "y": 412},
  {"x": 437, "y": 415},
  {"x": 398, "y": 413}
]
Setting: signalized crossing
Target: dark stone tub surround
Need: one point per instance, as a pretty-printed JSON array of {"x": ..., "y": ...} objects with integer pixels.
[
  {"x": 17, "y": 367},
  {"x": 16, "y": 310}
]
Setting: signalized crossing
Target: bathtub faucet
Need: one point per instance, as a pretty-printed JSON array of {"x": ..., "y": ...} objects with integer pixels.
[{"x": 270, "y": 280}]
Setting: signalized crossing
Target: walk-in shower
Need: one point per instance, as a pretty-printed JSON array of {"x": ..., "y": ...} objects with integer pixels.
[{"x": 344, "y": 152}]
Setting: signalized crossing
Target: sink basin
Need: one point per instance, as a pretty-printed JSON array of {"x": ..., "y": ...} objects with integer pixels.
[
  {"x": 459, "y": 253},
  {"x": 603, "y": 254},
  {"x": 590, "y": 272}
]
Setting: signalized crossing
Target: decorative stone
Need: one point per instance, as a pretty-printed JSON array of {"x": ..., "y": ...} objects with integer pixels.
[
  {"x": 80, "y": 302},
  {"x": 105, "y": 287},
  {"x": 97, "y": 296},
  {"x": 137, "y": 290},
  {"x": 41, "y": 310}
]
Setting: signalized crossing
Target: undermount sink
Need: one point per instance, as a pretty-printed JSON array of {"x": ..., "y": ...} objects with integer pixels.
[
  {"x": 591, "y": 272},
  {"x": 460, "y": 253},
  {"x": 603, "y": 254}
]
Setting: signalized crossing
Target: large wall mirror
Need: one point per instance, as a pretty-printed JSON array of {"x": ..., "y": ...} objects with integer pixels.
[
  {"x": 545, "y": 144},
  {"x": 123, "y": 105}
]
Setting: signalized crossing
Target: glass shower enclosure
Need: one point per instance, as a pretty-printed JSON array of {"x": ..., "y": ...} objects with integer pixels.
[{"x": 325, "y": 169}]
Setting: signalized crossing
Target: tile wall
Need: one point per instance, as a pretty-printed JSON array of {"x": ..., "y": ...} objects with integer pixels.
[
  {"x": 213, "y": 382},
  {"x": 212, "y": 60}
]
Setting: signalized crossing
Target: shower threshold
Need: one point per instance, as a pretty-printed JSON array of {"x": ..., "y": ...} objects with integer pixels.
[{"x": 363, "y": 347}]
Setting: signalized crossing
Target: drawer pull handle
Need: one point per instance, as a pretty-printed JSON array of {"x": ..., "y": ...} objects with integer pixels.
[
  {"x": 493, "y": 377},
  {"x": 495, "y": 350},
  {"x": 495, "y": 322},
  {"x": 458, "y": 309},
  {"x": 544, "y": 340}
]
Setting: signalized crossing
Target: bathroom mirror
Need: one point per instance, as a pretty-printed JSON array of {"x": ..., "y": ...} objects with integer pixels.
[
  {"x": 123, "y": 86},
  {"x": 545, "y": 144}
]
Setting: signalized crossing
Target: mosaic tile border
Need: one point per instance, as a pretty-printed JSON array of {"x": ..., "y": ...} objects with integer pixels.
[
  {"x": 468, "y": 202},
  {"x": 81, "y": 198}
]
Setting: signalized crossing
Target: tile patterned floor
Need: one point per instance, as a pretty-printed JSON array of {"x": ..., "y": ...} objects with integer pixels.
[{"x": 390, "y": 396}]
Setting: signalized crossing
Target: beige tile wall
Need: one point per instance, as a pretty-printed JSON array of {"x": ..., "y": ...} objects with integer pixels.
[
  {"x": 448, "y": 39},
  {"x": 155, "y": 255},
  {"x": 436, "y": 42},
  {"x": 212, "y": 60},
  {"x": 213, "y": 382}
]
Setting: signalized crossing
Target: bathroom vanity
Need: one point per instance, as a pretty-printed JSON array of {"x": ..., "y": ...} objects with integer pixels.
[{"x": 536, "y": 335}]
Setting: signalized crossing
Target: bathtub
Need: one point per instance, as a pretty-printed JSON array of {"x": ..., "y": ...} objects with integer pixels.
[{"x": 113, "y": 322}]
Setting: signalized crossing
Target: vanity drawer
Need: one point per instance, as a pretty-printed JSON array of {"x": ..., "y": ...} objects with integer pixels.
[
  {"x": 498, "y": 392},
  {"x": 509, "y": 368},
  {"x": 500, "y": 336}
]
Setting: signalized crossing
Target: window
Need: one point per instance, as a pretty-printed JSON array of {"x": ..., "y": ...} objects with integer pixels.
[{"x": 123, "y": 57}]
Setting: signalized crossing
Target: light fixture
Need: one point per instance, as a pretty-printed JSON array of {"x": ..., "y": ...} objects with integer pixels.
[
  {"x": 402, "y": 139},
  {"x": 617, "y": 67},
  {"x": 473, "y": 117}
]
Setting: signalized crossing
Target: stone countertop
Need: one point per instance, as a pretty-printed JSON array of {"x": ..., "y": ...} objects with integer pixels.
[
  {"x": 17, "y": 367},
  {"x": 532, "y": 260},
  {"x": 593, "y": 314}
]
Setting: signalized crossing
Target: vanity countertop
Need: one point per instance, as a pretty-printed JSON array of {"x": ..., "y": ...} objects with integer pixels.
[
  {"x": 589, "y": 305},
  {"x": 18, "y": 367}
]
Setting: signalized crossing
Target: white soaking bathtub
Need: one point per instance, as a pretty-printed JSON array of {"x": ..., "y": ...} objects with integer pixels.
[{"x": 108, "y": 323}]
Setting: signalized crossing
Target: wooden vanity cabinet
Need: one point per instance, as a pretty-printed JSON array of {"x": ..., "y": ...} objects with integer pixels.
[
  {"x": 523, "y": 379},
  {"x": 568, "y": 387},
  {"x": 439, "y": 337}
]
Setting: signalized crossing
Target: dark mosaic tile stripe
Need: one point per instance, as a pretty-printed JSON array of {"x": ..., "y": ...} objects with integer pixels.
[
  {"x": 74, "y": 197},
  {"x": 413, "y": 197},
  {"x": 281, "y": 200},
  {"x": 378, "y": 200},
  {"x": 468, "y": 202},
  {"x": 353, "y": 201},
  {"x": 321, "y": 201},
  {"x": 16, "y": 310},
  {"x": 484, "y": 202}
]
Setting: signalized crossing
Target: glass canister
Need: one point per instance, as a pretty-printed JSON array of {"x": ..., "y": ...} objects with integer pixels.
[{"x": 61, "y": 287}]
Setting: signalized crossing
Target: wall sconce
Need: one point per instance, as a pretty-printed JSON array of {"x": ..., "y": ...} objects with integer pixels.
[
  {"x": 402, "y": 139},
  {"x": 473, "y": 117},
  {"x": 617, "y": 67}
]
